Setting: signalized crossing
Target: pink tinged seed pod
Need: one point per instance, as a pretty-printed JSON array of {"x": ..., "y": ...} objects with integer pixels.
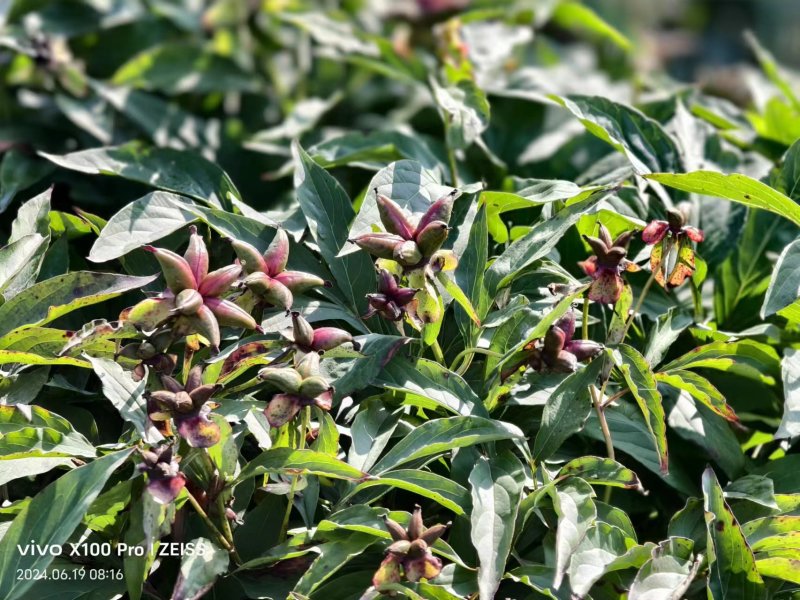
[
  {"x": 198, "y": 430},
  {"x": 427, "y": 567},
  {"x": 302, "y": 331},
  {"x": 298, "y": 282},
  {"x": 441, "y": 210},
  {"x": 177, "y": 272},
  {"x": 197, "y": 254},
  {"x": 148, "y": 314},
  {"x": 188, "y": 302},
  {"x": 220, "y": 281},
  {"x": 583, "y": 349},
  {"x": 277, "y": 254},
  {"x": 252, "y": 260},
  {"x": 270, "y": 290},
  {"x": 565, "y": 362},
  {"x": 231, "y": 315},
  {"x": 204, "y": 322},
  {"x": 327, "y": 338},
  {"x": 393, "y": 218},
  {"x": 381, "y": 245},
  {"x": 388, "y": 572},
  {"x": 431, "y": 237},
  {"x": 407, "y": 254},
  {"x": 567, "y": 324},
  {"x": 325, "y": 400},
  {"x": 655, "y": 232}
]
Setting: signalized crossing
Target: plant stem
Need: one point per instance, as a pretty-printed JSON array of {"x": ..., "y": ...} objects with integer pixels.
[
  {"x": 469, "y": 352},
  {"x": 226, "y": 528},
  {"x": 301, "y": 444},
  {"x": 585, "y": 320},
  {"x": 638, "y": 306},
  {"x": 601, "y": 417},
  {"x": 451, "y": 155},
  {"x": 209, "y": 523},
  {"x": 437, "y": 352}
]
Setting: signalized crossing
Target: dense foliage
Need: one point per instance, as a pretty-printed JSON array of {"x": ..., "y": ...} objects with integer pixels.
[{"x": 486, "y": 313}]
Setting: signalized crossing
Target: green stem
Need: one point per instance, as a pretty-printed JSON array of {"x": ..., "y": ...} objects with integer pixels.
[
  {"x": 638, "y": 306},
  {"x": 585, "y": 321},
  {"x": 226, "y": 529},
  {"x": 451, "y": 156},
  {"x": 601, "y": 417},
  {"x": 209, "y": 523},
  {"x": 437, "y": 352},
  {"x": 301, "y": 444},
  {"x": 471, "y": 352}
]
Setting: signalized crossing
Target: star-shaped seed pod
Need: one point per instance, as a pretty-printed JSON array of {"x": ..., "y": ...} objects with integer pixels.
[
  {"x": 606, "y": 265},
  {"x": 672, "y": 256},
  {"x": 192, "y": 300},
  {"x": 188, "y": 405},
  {"x": 266, "y": 274},
  {"x": 307, "y": 339},
  {"x": 391, "y": 299},
  {"x": 408, "y": 243},
  {"x": 409, "y": 556},
  {"x": 164, "y": 480},
  {"x": 151, "y": 352},
  {"x": 301, "y": 386},
  {"x": 557, "y": 352}
]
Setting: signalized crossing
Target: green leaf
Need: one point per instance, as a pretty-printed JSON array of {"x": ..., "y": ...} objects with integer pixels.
[
  {"x": 667, "y": 574},
  {"x": 643, "y": 386},
  {"x": 18, "y": 171},
  {"x": 753, "y": 488},
  {"x": 370, "y": 433},
  {"x": 773, "y": 533},
  {"x": 566, "y": 410},
  {"x": 373, "y": 150},
  {"x": 438, "y": 488},
  {"x": 745, "y": 357},
  {"x": 55, "y": 297},
  {"x": 576, "y": 512},
  {"x": 451, "y": 287},
  {"x": 127, "y": 396},
  {"x": 199, "y": 570},
  {"x": 148, "y": 522},
  {"x": 605, "y": 548},
  {"x": 772, "y": 70},
  {"x": 430, "y": 384},
  {"x": 332, "y": 557},
  {"x": 735, "y": 187},
  {"x": 496, "y": 491},
  {"x": 787, "y": 178},
  {"x": 665, "y": 332},
  {"x": 32, "y": 219},
  {"x": 575, "y": 16},
  {"x": 601, "y": 471},
  {"x": 16, "y": 256},
  {"x": 183, "y": 67},
  {"x": 784, "y": 285},
  {"x": 790, "y": 370},
  {"x": 469, "y": 275},
  {"x": 30, "y": 358},
  {"x": 15, "y": 468},
  {"x": 328, "y": 212},
  {"x": 50, "y": 519},
  {"x": 27, "y": 431},
  {"x": 443, "y": 435},
  {"x": 464, "y": 110},
  {"x": 700, "y": 389},
  {"x": 181, "y": 172},
  {"x": 732, "y": 566},
  {"x": 299, "y": 462},
  {"x": 143, "y": 221},
  {"x": 641, "y": 139},
  {"x": 539, "y": 241}
]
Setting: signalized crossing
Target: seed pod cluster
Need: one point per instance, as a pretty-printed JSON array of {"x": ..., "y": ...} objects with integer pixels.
[
  {"x": 409, "y": 244},
  {"x": 164, "y": 480},
  {"x": 266, "y": 275},
  {"x": 409, "y": 555}
]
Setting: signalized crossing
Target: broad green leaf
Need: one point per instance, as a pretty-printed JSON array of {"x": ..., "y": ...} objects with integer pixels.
[
  {"x": 575, "y": 16},
  {"x": 328, "y": 212},
  {"x": 700, "y": 389},
  {"x": 667, "y": 574},
  {"x": 604, "y": 548},
  {"x": 378, "y": 350},
  {"x": 736, "y": 187},
  {"x": 790, "y": 370},
  {"x": 641, "y": 139},
  {"x": 428, "y": 383},
  {"x": 181, "y": 172},
  {"x": 16, "y": 256},
  {"x": 665, "y": 332},
  {"x": 29, "y": 431},
  {"x": 732, "y": 567},
  {"x": 373, "y": 150},
  {"x": 370, "y": 433},
  {"x": 496, "y": 492},
  {"x": 332, "y": 557},
  {"x": 52, "y": 298},
  {"x": 744, "y": 357},
  {"x": 566, "y": 410},
  {"x": 30, "y": 358},
  {"x": 50, "y": 518},
  {"x": 469, "y": 275},
  {"x": 298, "y": 462},
  {"x": 18, "y": 171},
  {"x": 149, "y": 521},
  {"x": 576, "y": 512},
  {"x": 32, "y": 219},
  {"x": 127, "y": 396},
  {"x": 753, "y": 488},
  {"x": 643, "y": 386},
  {"x": 464, "y": 110},
  {"x": 601, "y": 471},
  {"x": 15, "y": 468},
  {"x": 787, "y": 178},
  {"x": 773, "y": 533},
  {"x": 143, "y": 221},
  {"x": 539, "y": 241},
  {"x": 451, "y": 287},
  {"x": 183, "y": 67},
  {"x": 199, "y": 570},
  {"x": 303, "y": 117},
  {"x": 784, "y": 285},
  {"x": 780, "y": 567},
  {"x": 772, "y": 70},
  {"x": 104, "y": 512},
  {"x": 438, "y": 488},
  {"x": 443, "y": 435}
]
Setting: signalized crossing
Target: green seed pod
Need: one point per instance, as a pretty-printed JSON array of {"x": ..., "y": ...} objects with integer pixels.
[
  {"x": 277, "y": 254},
  {"x": 407, "y": 254},
  {"x": 431, "y": 238},
  {"x": 299, "y": 282},
  {"x": 313, "y": 386},
  {"x": 270, "y": 290},
  {"x": 307, "y": 364},
  {"x": 303, "y": 332},
  {"x": 218, "y": 282},
  {"x": 381, "y": 245},
  {"x": 188, "y": 302},
  {"x": 205, "y": 323},
  {"x": 197, "y": 255},
  {"x": 441, "y": 210},
  {"x": 150, "y": 313},
  {"x": 285, "y": 379},
  {"x": 250, "y": 257},
  {"x": 229, "y": 314},
  {"x": 177, "y": 272}
]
